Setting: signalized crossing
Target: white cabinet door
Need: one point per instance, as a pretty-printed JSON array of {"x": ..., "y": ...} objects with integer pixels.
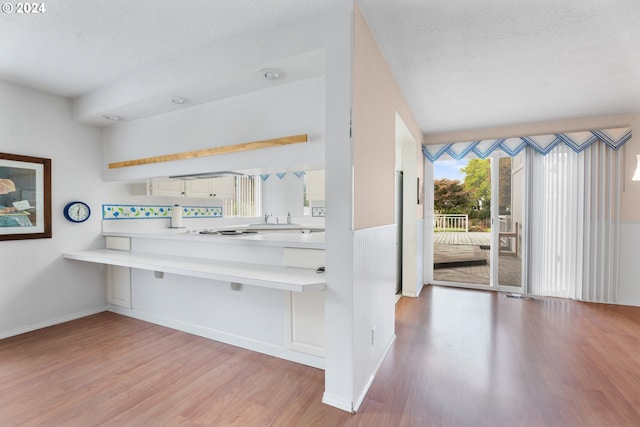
[
  {"x": 217, "y": 188},
  {"x": 119, "y": 278},
  {"x": 119, "y": 286},
  {"x": 167, "y": 187},
  {"x": 305, "y": 312},
  {"x": 198, "y": 188},
  {"x": 222, "y": 188},
  {"x": 315, "y": 185}
]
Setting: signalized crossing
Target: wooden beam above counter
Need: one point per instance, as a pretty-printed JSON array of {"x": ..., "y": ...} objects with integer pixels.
[{"x": 225, "y": 149}]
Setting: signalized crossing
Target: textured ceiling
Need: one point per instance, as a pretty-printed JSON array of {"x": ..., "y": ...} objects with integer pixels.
[
  {"x": 461, "y": 64},
  {"x": 468, "y": 64},
  {"x": 80, "y": 45}
]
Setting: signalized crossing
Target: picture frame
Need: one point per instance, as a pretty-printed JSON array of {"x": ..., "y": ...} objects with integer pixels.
[{"x": 25, "y": 197}]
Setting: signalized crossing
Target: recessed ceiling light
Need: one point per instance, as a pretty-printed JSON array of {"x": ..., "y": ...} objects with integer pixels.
[
  {"x": 112, "y": 118},
  {"x": 272, "y": 73},
  {"x": 178, "y": 100}
]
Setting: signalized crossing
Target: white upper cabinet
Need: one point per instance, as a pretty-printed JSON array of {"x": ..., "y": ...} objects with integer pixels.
[
  {"x": 222, "y": 188},
  {"x": 315, "y": 185},
  {"x": 198, "y": 188},
  {"x": 218, "y": 188},
  {"x": 167, "y": 187}
]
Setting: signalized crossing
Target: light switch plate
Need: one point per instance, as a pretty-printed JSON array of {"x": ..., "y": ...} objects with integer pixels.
[{"x": 317, "y": 211}]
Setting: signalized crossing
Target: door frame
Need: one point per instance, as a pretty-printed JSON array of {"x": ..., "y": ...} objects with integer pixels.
[{"x": 411, "y": 268}]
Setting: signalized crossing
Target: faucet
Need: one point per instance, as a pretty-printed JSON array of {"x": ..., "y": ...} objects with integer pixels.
[{"x": 266, "y": 217}]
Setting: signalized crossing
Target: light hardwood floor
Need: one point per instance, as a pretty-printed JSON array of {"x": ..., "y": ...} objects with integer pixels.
[{"x": 461, "y": 358}]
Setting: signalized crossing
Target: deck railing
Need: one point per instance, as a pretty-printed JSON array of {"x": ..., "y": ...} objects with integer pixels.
[{"x": 451, "y": 222}]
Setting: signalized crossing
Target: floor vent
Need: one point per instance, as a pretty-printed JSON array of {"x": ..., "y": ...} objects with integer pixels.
[{"x": 519, "y": 296}]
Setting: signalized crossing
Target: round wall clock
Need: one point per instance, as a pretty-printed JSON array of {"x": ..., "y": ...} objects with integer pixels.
[{"x": 77, "y": 211}]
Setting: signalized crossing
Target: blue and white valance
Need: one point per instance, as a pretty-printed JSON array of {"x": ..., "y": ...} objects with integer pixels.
[
  {"x": 281, "y": 175},
  {"x": 578, "y": 141}
]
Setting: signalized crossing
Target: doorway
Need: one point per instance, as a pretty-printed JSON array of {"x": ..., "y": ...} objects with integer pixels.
[
  {"x": 410, "y": 229},
  {"x": 479, "y": 222}
]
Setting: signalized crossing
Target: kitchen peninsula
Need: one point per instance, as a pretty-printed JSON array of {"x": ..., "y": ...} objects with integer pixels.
[{"x": 258, "y": 290}]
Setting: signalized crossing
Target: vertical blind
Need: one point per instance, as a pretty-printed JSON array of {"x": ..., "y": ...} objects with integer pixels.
[
  {"x": 601, "y": 230},
  {"x": 575, "y": 223},
  {"x": 244, "y": 201}
]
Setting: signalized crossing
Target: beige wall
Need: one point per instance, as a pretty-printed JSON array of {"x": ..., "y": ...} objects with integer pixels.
[
  {"x": 631, "y": 190},
  {"x": 376, "y": 99}
]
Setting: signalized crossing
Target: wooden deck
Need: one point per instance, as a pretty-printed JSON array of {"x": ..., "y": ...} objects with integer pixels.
[
  {"x": 472, "y": 247},
  {"x": 461, "y": 238},
  {"x": 447, "y": 256}
]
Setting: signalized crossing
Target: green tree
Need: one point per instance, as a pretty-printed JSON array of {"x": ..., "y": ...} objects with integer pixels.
[
  {"x": 477, "y": 182},
  {"x": 505, "y": 185},
  {"x": 450, "y": 196}
]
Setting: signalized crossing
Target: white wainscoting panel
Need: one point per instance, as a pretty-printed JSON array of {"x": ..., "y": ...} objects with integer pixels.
[
  {"x": 629, "y": 282},
  {"x": 374, "y": 270}
]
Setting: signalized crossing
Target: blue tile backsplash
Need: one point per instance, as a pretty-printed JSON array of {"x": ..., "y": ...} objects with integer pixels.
[{"x": 115, "y": 212}]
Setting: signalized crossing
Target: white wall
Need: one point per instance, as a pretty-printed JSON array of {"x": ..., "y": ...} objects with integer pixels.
[
  {"x": 367, "y": 193},
  {"x": 40, "y": 288},
  {"x": 285, "y": 110},
  {"x": 339, "y": 355}
]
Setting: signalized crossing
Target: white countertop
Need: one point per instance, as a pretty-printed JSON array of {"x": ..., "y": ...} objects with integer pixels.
[
  {"x": 266, "y": 276},
  {"x": 313, "y": 240}
]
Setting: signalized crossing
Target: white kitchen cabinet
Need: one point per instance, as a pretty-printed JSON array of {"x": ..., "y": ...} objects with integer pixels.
[
  {"x": 197, "y": 188},
  {"x": 315, "y": 185},
  {"x": 167, "y": 187},
  {"x": 119, "y": 278},
  {"x": 305, "y": 311},
  {"x": 119, "y": 286},
  {"x": 218, "y": 188},
  {"x": 222, "y": 188}
]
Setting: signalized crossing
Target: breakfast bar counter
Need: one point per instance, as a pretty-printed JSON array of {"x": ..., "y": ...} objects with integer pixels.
[{"x": 263, "y": 291}]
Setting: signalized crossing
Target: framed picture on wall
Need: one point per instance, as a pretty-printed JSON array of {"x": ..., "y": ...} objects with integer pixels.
[{"x": 25, "y": 197}]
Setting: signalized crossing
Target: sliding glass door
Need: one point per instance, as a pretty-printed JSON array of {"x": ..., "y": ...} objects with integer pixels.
[
  {"x": 479, "y": 222},
  {"x": 508, "y": 221},
  {"x": 554, "y": 208}
]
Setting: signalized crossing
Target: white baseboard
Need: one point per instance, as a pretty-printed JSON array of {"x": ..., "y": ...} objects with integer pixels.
[
  {"x": 337, "y": 402},
  {"x": 51, "y": 322},
  {"x": 225, "y": 337},
  {"x": 373, "y": 376}
]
